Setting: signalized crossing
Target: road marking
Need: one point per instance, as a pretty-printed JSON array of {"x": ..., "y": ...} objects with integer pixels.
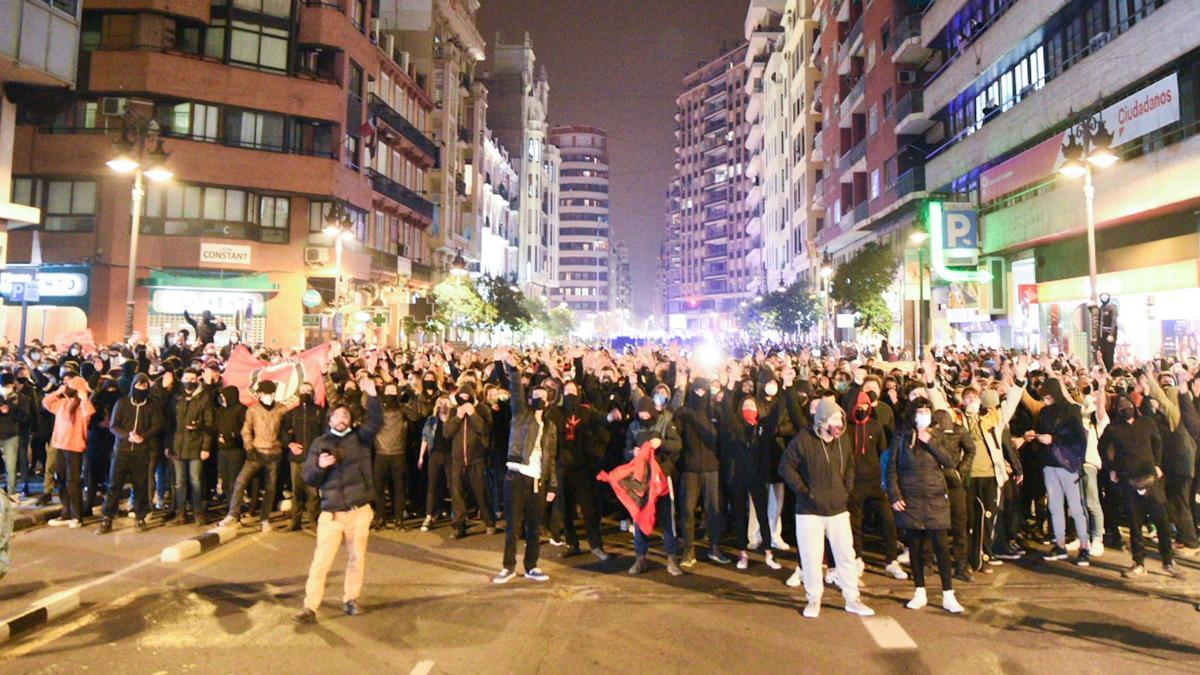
[
  {"x": 888, "y": 633},
  {"x": 422, "y": 668}
]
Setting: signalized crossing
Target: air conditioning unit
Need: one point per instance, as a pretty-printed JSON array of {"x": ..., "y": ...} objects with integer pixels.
[
  {"x": 113, "y": 106},
  {"x": 906, "y": 76},
  {"x": 316, "y": 255}
]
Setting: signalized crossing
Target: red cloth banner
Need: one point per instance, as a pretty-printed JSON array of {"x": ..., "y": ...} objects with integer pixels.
[
  {"x": 245, "y": 372},
  {"x": 638, "y": 486},
  {"x": 84, "y": 337}
]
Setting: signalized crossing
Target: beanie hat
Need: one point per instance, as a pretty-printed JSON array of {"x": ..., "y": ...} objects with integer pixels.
[
  {"x": 701, "y": 383},
  {"x": 644, "y": 404}
]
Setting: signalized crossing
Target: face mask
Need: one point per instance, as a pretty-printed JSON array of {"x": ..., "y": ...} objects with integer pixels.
[
  {"x": 430, "y": 387},
  {"x": 139, "y": 395},
  {"x": 267, "y": 400},
  {"x": 771, "y": 389},
  {"x": 660, "y": 400},
  {"x": 537, "y": 403},
  {"x": 189, "y": 387},
  {"x": 751, "y": 416},
  {"x": 571, "y": 401},
  {"x": 841, "y": 386},
  {"x": 306, "y": 398},
  {"x": 464, "y": 400},
  {"x": 923, "y": 420},
  {"x": 858, "y": 380},
  {"x": 340, "y": 433},
  {"x": 34, "y": 356},
  {"x": 861, "y": 415},
  {"x": 1126, "y": 412},
  {"x": 234, "y": 340},
  {"x": 872, "y": 396},
  {"x": 973, "y": 408},
  {"x": 834, "y": 431},
  {"x": 74, "y": 352}
]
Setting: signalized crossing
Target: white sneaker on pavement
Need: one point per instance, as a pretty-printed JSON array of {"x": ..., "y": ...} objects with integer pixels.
[
  {"x": 893, "y": 568},
  {"x": 781, "y": 545},
  {"x": 919, "y": 599},
  {"x": 771, "y": 562},
  {"x": 796, "y": 580},
  {"x": 950, "y": 603},
  {"x": 1097, "y": 547},
  {"x": 812, "y": 609},
  {"x": 857, "y": 607},
  {"x": 903, "y": 558},
  {"x": 743, "y": 561},
  {"x": 227, "y": 521}
]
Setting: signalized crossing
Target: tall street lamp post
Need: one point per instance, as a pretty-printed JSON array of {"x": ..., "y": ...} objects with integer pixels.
[
  {"x": 918, "y": 237},
  {"x": 138, "y": 150},
  {"x": 339, "y": 226},
  {"x": 1089, "y": 144},
  {"x": 827, "y": 282}
]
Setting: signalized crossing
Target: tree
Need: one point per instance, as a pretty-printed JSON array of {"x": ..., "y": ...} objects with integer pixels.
[
  {"x": 860, "y": 283},
  {"x": 790, "y": 311},
  {"x": 560, "y": 321},
  {"x": 508, "y": 301},
  {"x": 457, "y": 304}
]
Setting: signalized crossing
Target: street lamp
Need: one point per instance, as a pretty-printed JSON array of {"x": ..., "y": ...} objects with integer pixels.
[
  {"x": 140, "y": 139},
  {"x": 340, "y": 227},
  {"x": 1089, "y": 143},
  {"x": 918, "y": 238},
  {"x": 827, "y": 281},
  {"x": 458, "y": 266}
]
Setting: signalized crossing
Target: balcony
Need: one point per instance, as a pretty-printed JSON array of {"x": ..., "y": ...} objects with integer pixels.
[
  {"x": 910, "y": 181},
  {"x": 422, "y": 272},
  {"x": 850, "y": 46},
  {"x": 460, "y": 185},
  {"x": 818, "y": 146},
  {"x": 853, "y": 156},
  {"x": 464, "y": 134},
  {"x": 860, "y": 212},
  {"x": 383, "y": 261},
  {"x": 716, "y": 232},
  {"x": 854, "y": 99},
  {"x": 910, "y": 114},
  {"x": 909, "y": 49},
  {"x": 388, "y": 115},
  {"x": 400, "y": 194}
]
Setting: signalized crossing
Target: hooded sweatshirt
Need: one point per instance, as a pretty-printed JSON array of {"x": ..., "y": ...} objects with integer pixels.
[{"x": 870, "y": 441}]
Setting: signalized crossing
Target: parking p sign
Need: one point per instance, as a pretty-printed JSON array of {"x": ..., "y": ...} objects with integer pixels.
[{"x": 960, "y": 236}]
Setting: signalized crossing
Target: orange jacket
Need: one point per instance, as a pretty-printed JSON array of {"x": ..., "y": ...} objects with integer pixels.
[{"x": 70, "y": 431}]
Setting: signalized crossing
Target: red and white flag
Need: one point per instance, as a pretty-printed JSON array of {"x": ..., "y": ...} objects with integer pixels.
[
  {"x": 638, "y": 486},
  {"x": 244, "y": 372}
]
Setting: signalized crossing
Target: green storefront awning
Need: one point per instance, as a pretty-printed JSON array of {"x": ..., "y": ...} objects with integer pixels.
[{"x": 215, "y": 280}]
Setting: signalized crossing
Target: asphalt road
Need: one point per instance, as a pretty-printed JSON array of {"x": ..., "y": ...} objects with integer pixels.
[{"x": 430, "y": 607}]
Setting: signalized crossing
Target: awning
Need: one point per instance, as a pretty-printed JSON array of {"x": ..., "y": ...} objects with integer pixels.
[
  {"x": 215, "y": 280},
  {"x": 1143, "y": 280}
]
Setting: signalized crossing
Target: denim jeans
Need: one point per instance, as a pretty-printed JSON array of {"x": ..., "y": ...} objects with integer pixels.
[
  {"x": 8, "y": 447},
  {"x": 1062, "y": 484},
  {"x": 189, "y": 471},
  {"x": 1091, "y": 496},
  {"x": 664, "y": 514},
  {"x": 697, "y": 485}
]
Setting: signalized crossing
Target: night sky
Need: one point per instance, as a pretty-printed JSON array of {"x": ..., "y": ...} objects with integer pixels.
[{"x": 618, "y": 65}]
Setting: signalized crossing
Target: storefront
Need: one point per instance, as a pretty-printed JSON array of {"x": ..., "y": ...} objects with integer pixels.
[
  {"x": 63, "y": 300},
  {"x": 240, "y": 300}
]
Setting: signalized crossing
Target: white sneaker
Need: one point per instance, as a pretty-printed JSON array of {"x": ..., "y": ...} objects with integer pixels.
[
  {"x": 796, "y": 580},
  {"x": 425, "y": 528},
  {"x": 893, "y": 568},
  {"x": 771, "y": 562},
  {"x": 58, "y": 522},
  {"x": 780, "y": 545},
  {"x": 74, "y": 524},
  {"x": 266, "y": 526},
  {"x": 754, "y": 544},
  {"x": 903, "y": 558},
  {"x": 950, "y": 603},
  {"x": 1097, "y": 547},
  {"x": 743, "y": 561},
  {"x": 919, "y": 600},
  {"x": 1073, "y": 545},
  {"x": 504, "y": 576},
  {"x": 227, "y": 521},
  {"x": 812, "y": 609},
  {"x": 557, "y": 543},
  {"x": 857, "y": 607}
]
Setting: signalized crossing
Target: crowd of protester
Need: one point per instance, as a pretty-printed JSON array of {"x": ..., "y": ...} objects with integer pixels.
[{"x": 961, "y": 460}]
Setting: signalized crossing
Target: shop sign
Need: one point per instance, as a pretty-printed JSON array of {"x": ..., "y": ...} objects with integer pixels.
[
  {"x": 1027, "y": 294},
  {"x": 311, "y": 321},
  {"x": 49, "y": 284},
  {"x": 224, "y": 254},
  {"x": 195, "y": 301},
  {"x": 954, "y": 240},
  {"x": 311, "y": 298},
  {"x": 1129, "y": 119}
]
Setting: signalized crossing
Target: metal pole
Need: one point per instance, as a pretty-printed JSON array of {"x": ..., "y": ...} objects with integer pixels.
[
  {"x": 131, "y": 281},
  {"x": 1089, "y": 194},
  {"x": 24, "y": 319},
  {"x": 339, "y": 318},
  {"x": 917, "y": 326}
]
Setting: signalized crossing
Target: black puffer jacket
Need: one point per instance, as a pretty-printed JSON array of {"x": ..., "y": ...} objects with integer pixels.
[
  {"x": 302, "y": 424},
  {"x": 193, "y": 426},
  {"x": 347, "y": 484},
  {"x": 469, "y": 436},
  {"x": 916, "y": 475},
  {"x": 955, "y": 440},
  {"x": 12, "y": 415},
  {"x": 821, "y": 474}
]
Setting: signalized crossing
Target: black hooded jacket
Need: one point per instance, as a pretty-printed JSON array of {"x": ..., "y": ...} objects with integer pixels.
[{"x": 229, "y": 416}]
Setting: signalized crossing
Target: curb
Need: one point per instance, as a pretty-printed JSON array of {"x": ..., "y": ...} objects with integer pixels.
[
  {"x": 27, "y": 518},
  {"x": 190, "y": 548},
  {"x": 44, "y": 612}
]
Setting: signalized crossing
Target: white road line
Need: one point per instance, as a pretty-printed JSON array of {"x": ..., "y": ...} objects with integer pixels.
[
  {"x": 888, "y": 633},
  {"x": 422, "y": 668}
]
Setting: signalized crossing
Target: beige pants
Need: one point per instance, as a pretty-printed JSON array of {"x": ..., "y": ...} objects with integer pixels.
[{"x": 354, "y": 526}]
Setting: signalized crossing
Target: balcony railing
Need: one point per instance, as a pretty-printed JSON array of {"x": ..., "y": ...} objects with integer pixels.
[
  {"x": 853, "y": 155},
  {"x": 910, "y": 181},
  {"x": 907, "y": 29},
  {"x": 860, "y": 212},
  {"x": 382, "y": 260},
  {"x": 400, "y": 194},
  {"x": 913, "y": 102},
  {"x": 395, "y": 120}
]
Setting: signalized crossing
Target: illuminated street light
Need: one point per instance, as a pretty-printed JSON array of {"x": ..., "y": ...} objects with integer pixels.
[{"x": 458, "y": 266}]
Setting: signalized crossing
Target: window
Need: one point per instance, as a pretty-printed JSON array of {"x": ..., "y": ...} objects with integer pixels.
[
  {"x": 885, "y": 36},
  {"x": 875, "y": 184},
  {"x": 276, "y": 8},
  {"x": 254, "y": 130},
  {"x": 873, "y": 119},
  {"x": 358, "y": 14},
  {"x": 273, "y": 212},
  {"x": 355, "y": 82},
  {"x": 258, "y": 46},
  {"x": 887, "y": 103},
  {"x": 70, "y": 206},
  {"x": 195, "y": 120}
]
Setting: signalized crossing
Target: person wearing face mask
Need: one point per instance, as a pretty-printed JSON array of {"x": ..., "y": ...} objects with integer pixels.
[
  {"x": 869, "y": 442},
  {"x": 97, "y": 458},
  {"x": 469, "y": 432},
  {"x": 818, "y": 466},
  {"x": 435, "y": 453},
  {"x": 191, "y": 446},
  {"x": 134, "y": 422},
  {"x": 391, "y": 461},
  {"x": 917, "y": 465},
  {"x": 1095, "y": 421},
  {"x": 1060, "y": 431},
  {"x": 229, "y": 416},
  {"x": 264, "y": 450},
  {"x": 958, "y": 444},
  {"x": 72, "y": 410},
  {"x": 779, "y": 433},
  {"x": 338, "y": 465},
  {"x": 532, "y": 473},
  {"x": 986, "y": 419},
  {"x": 12, "y": 416},
  {"x": 745, "y": 445},
  {"x": 585, "y": 437},
  {"x": 206, "y": 328},
  {"x": 1133, "y": 449},
  {"x": 1179, "y": 458},
  {"x": 656, "y": 425},
  {"x": 301, "y": 426},
  {"x": 699, "y": 422}
]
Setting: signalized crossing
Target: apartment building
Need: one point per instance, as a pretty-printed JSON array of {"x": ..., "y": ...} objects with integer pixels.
[
  {"x": 622, "y": 280},
  {"x": 585, "y": 281},
  {"x": 499, "y": 209}
]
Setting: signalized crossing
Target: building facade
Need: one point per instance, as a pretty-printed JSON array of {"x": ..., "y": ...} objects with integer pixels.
[
  {"x": 518, "y": 102},
  {"x": 584, "y": 233},
  {"x": 622, "y": 281},
  {"x": 1007, "y": 83},
  {"x": 713, "y": 262},
  {"x": 499, "y": 209},
  {"x": 276, "y": 117}
]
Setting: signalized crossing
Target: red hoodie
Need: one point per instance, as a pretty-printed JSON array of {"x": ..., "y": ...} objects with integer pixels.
[{"x": 860, "y": 426}]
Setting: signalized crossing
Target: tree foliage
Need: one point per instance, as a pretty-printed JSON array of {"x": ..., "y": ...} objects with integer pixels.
[
  {"x": 859, "y": 284},
  {"x": 508, "y": 301},
  {"x": 790, "y": 311},
  {"x": 458, "y": 304}
]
